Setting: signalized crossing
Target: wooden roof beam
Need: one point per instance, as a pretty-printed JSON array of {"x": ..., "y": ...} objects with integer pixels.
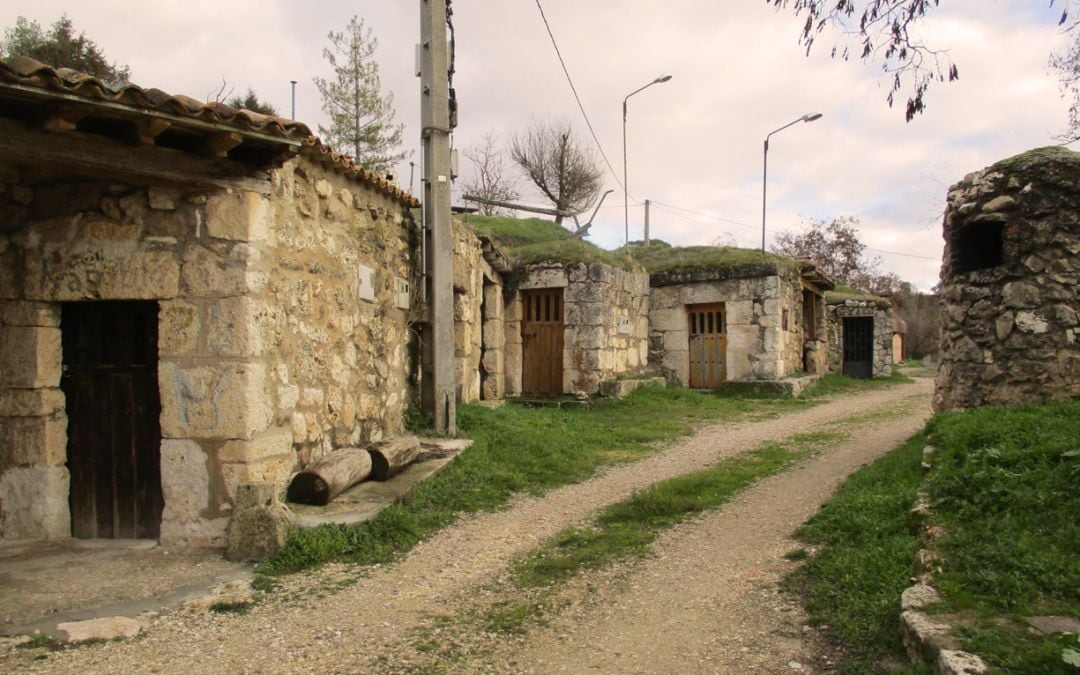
[{"x": 219, "y": 144}]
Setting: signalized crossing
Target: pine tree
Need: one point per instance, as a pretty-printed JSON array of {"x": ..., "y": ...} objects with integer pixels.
[
  {"x": 361, "y": 118},
  {"x": 61, "y": 48}
]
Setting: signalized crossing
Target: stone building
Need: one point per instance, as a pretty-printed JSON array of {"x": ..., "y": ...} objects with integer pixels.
[
  {"x": 714, "y": 322},
  {"x": 479, "y": 317},
  {"x": 572, "y": 325},
  {"x": 860, "y": 335},
  {"x": 1011, "y": 283},
  {"x": 191, "y": 297}
]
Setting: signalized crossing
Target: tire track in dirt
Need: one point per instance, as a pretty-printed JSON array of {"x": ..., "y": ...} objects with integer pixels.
[{"x": 312, "y": 626}]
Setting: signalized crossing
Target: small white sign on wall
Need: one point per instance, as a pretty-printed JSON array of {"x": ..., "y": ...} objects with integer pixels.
[
  {"x": 401, "y": 297},
  {"x": 366, "y": 286},
  {"x": 622, "y": 325}
]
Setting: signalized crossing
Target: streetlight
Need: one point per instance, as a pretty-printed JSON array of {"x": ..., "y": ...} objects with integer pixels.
[
  {"x": 626, "y": 189},
  {"x": 809, "y": 117}
]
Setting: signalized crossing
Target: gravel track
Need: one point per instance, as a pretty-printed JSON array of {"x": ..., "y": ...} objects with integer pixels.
[{"x": 710, "y": 573}]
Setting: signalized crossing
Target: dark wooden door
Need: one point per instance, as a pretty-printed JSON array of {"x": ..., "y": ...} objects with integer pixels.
[
  {"x": 859, "y": 347},
  {"x": 113, "y": 407},
  {"x": 542, "y": 342},
  {"x": 708, "y": 345}
]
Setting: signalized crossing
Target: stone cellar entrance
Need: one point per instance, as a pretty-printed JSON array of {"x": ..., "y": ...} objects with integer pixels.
[
  {"x": 859, "y": 347},
  {"x": 708, "y": 345},
  {"x": 110, "y": 382},
  {"x": 542, "y": 342}
]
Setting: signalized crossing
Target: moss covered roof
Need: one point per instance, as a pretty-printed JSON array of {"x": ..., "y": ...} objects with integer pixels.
[
  {"x": 531, "y": 241},
  {"x": 663, "y": 258}
]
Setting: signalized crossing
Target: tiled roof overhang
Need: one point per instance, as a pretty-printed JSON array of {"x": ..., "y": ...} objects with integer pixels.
[{"x": 60, "y": 99}]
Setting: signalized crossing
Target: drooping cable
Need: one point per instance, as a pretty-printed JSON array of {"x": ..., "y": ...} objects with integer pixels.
[{"x": 576, "y": 97}]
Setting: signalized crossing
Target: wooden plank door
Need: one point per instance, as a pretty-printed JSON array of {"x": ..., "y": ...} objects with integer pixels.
[
  {"x": 708, "y": 345},
  {"x": 113, "y": 407},
  {"x": 859, "y": 347},
  {"x": 542, "y": 342}
]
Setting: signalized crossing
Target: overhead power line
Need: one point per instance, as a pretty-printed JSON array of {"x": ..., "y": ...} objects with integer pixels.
[{"x": 576, "y": 97}]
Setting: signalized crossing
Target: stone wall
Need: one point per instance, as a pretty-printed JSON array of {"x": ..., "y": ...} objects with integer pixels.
[
  {"x": 606, "y": 323},
  {"x": 268, "y": 353},
  {"x": 763, "y": 315},
  {"x": 1011, "y": 283},
  {"x": 478, "y": 321},
  {"x": 880, "y": 310}
]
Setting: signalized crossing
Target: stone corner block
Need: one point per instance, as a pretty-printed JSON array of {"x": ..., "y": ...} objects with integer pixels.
[
  {"x": 260, "y": 523},
  {"x": 218, "y": 401},
  {"x": 34, "y": 503},
  {"x": 238, "y": 216}
]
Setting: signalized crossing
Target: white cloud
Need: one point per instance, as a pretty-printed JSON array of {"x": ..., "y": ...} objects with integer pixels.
[{"x": 694, "y": 142}]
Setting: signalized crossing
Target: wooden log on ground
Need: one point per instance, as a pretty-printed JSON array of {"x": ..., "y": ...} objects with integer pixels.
[
  {"x": 328, "y": 477},
  {"x": 388, "y": 458}
]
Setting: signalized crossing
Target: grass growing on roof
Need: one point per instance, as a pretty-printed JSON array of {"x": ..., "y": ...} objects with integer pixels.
[
  {"x": 664, "y": 258},
  {"x": 514, "y": 232}
]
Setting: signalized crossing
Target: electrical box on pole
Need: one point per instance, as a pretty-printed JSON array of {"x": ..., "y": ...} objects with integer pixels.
[{"x": 437, "y": 373}]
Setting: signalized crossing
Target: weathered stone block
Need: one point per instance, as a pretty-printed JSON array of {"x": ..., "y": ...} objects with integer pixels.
[
  {"x": 185, "y": 481},
  {"x": 179, "y": 328},
  {"x": 163, "y": 199},
  {"x": 232, "y": 327},
  {"x": 224, "y": 400},
  {"x": 34, "y": 503},
  {"x": 274, "y": 470},
  {"x": 259, "y": 525},
  {"x": 33, "y": 441},
  {"x": 207, "y": 273},
  {"x": 238, "y": 216},
  {"x": 111, "y": 270},
  {"x": 275, "y": 441},
  {"x": 30, "y": 402},
  {"x": 37, "y": 314},
  {"x": 30, "y": 357},
  {"x": 540, "y": 277}
]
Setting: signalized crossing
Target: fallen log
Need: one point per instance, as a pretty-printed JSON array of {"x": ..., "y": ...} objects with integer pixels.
[
  {"x": 329, "y": 476},
  {"x": 388, "y": 458}
]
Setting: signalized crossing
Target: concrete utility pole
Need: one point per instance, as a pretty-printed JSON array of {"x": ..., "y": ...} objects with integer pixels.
[{"x": 439, "y": 391}]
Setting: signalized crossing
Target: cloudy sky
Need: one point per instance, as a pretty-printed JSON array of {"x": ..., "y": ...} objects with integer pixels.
[{"x": 695, "y": 143}]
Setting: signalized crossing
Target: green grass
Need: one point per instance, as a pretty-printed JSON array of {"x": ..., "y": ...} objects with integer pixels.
[
  {"x": 571, "y": 252},
  {"x": 831, "y": 384},
  {"x": 518, "y": 450},
  {"x": 514, "y": 232},
  {"x": 865, "y": 558},
  {"x": 1006, "y": 486},
  {"x": 658, "y": 258},
  {"x": 627, "y": 529}
]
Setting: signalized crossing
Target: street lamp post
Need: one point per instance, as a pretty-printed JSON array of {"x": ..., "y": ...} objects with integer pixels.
[
  {"x": 626, "y": 189},
  {"x": 809, "y": 117}
]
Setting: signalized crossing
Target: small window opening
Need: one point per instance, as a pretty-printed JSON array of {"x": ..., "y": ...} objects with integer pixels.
[{"x": 977, "y": 248}]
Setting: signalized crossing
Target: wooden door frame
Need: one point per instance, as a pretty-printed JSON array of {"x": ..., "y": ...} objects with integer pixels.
[
  {"x": 540, "y": 375},
  {"x": 713, "y": 316}
]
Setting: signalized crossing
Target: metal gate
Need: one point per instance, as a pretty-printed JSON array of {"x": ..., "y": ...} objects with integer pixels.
[
  {"x": 113, "y": 408},
  {"x": 859, "y": 347},
  {"x": 708, "y": 345},
  {"x": 542, "y": 342}
]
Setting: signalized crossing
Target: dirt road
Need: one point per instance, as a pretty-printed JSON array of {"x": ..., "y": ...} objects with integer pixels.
[{"x": 705, "y": 602}]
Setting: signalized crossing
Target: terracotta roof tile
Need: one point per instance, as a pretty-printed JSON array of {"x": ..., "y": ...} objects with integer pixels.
[{"x": 27, "y": 73}]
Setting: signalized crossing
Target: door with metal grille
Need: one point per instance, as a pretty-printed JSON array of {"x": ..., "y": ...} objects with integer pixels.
[
  {"x": 859, "y": 347},
  {"x": 114, "y": 434},
  {"x": 708, "y": 345},
  {"x": 542, "y": 342}
]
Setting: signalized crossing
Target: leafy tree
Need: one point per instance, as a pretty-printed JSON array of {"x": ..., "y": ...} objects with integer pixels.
[
  {"x": 60, "y": 47},
  {"x": 250, "y": 101},
  {"x": 564, "y": 170},
  {"x": 361, "y": 118},
  {"x": 835, "y": 248},
  {"x": 881, "y": 31},
  {"x": 489, "y": 179}
]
